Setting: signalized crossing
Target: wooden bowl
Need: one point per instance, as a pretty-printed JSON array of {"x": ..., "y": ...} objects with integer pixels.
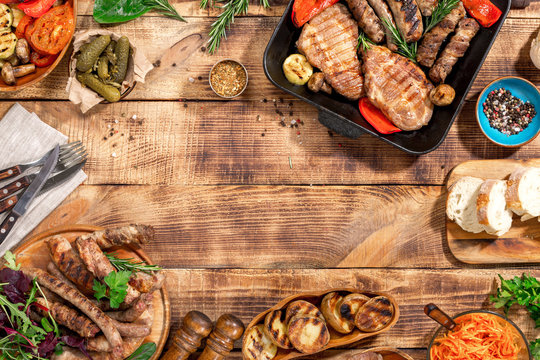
[
  {"x": 40, "y": 73},
  {"x": 336, "y": 339},
  {"x": 34, "y": 253},
  {"x": 387, "y": 353}
]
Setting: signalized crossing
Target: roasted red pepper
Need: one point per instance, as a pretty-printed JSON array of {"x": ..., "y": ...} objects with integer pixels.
[
  {"x": 376, "y": 118},
  {"x": 305, "y": 10},
  {"x": 23, "y": 24},
  {"x": 42, "y": 60},
  {"x": 484, "y": 11},
  {"x": 9, "y": 1},
  {"x": 36, "y": 8}
]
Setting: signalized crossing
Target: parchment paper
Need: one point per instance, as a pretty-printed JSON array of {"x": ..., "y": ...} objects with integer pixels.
[{"x": 138, "y": 67}]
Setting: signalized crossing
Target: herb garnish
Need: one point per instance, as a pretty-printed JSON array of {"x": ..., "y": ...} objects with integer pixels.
[
  {"x": 114, "y": 289},
  {"x": 524, "y": 291},
  {"x": 364, "y": 41},
  {"x": 443, "y": 8},
  {"x": 11, "y": 261},
  {"x": 404, "y": 48},
  {"x": 144, "y": 352},
  {"x": 131, "y": 265},
  {"x": 116, "y": 11}
]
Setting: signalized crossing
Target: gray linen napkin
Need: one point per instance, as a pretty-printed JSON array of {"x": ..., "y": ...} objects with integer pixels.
[{"x": 24, "y": 138}]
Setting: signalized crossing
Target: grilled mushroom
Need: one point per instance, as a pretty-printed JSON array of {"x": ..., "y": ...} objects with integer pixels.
[{"x": 22, "y": 50}]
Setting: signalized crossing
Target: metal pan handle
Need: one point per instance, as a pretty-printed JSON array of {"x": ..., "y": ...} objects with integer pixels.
[{"x": 339, "y": 126}]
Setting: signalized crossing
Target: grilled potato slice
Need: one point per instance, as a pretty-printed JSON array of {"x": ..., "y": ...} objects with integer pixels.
[
  {"x": 330, "y": 307},
  {"x": 297, "y": 69},
  {"x": 258, "y": 346},
  {"x": 276, "y": 329},
  {"x": 308, "y": 334},
  {"x": 302, "y": 307},
  {"x": 349, "y": 307},
  {"x": 374, "y": 314}
]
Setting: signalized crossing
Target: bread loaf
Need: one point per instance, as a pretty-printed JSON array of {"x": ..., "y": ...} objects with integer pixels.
[
  {"x": 491, "y": 209},
  {"x": 523, "y": 192},
  {"x": 461, "y": 203}
]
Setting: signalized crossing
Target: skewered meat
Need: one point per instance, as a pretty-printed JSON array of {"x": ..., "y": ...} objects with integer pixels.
[
  {"x": 368, "y": 21},
  {"x": 456, "y": 48},
  {"x": 427, "y": 6},
  {"x": 147, "y": 283},
  {"x": 68, "y": 317},
  {"x": 70, "y": 264},
  {"x": 397, "y": 87},
  {"x": 408, "y": 18},
  {"x": 432, "y": 41},
  {"x": 98, "y": 264},
  {"x": 133, "y": 234},
  {"x": 134, "y": 312},
  {"x": 105, "y": 323},
  {"x": 329, "y": 43},
  {"x": 383, "y": 12}
]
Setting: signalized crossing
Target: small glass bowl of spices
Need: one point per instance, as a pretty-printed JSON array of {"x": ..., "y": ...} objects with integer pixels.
[
  {"x": 228, "y": 78},
  {"x": 507, "y": 111}
]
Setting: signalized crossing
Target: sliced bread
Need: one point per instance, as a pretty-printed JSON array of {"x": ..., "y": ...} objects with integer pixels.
[
  {"x": 491, "y": 209},
  {"x": 461, "y": 203},
  {"x": 523, "y": 193}
]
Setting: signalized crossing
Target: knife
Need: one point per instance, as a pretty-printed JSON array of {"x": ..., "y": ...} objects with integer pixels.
[
  {"x": 29, "y": 195},
  {"x": 9, "y": 202}
]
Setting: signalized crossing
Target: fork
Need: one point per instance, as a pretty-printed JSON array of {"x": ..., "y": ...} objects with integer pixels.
[{"x": 67, "y": 151}]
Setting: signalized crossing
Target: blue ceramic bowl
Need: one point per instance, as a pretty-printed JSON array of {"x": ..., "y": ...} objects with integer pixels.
[{"x": 522, "y": 89}]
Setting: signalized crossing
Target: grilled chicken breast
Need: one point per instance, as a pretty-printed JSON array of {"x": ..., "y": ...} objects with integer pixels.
[
  {"x": 368, "y": 21},
  {"x": 397, "y": 87},
  {"x": 427, "y": 6},
  {"x": 329, "y": 43},
  {"x": 456, "y": 48},
  {"x": 432, "y": 41},
  {"x": 408, "y": 18}
]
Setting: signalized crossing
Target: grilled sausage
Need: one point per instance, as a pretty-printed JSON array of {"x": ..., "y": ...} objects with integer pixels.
[
  {"x": 147, "y": 283},
  {"x": 383, "y": 12},
  {"x": 98, "y": 264},
  {"x": 133, "y": 234},
  {"x": 432, "y": 41},
  {"x": 427, "y": 6},
  {"x": 134, "y": 312},
  {"x": 408, "y": 19},
  {"x": 70, "y": 264},
  {"x": 456, "y": 48},
  {"x": 69, "y": 318},
  {"x": 99, "y": 344},
  {"x": 131, "y": 330},
  {"x": 367, "y": 20},
  {"x": 105, "y": 323}
]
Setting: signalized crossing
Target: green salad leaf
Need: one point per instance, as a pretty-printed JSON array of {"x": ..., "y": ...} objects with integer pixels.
[
  {"x": 116, "y": 11},
  {"x": 115, "y": 288},
  {"x": 11, "y": 261},
  {"x": 144, "y": 352}
]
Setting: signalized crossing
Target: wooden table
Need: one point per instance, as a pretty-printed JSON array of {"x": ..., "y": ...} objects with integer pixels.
[{"x": 239, "y": 226}]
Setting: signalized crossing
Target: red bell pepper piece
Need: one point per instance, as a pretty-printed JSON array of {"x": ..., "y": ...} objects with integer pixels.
[
  {"x": 23, "y": 24},
  {"x": 36, "y": 8},
  {"x": 376, "y": 118},
  {"x": 484, "y": 11},
  {"x": 42, "y": 60},
  {"x": 305, "y": 10},
  {"x": 9, "y": 1}
]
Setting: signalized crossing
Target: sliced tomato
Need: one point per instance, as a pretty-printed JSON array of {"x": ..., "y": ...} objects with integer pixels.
[
  {"x": 376, "y": 118},
  {"x": 36, "y": 8},
  {"x": 52, "y": 32},
  {"x": 23, "y": 24},
  {"x": 42, "y": 60},
  {"x": 305, "y": 10}
]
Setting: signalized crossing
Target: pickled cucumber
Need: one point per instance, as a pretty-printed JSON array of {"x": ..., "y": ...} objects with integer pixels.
[
  {"x": 110, "y": 93},
  {"x": 88, "y": 58},
  {"x": 109, "y": 52},
  {"x": 122, "y": 57},
  {"x": 103, "y": 68}
]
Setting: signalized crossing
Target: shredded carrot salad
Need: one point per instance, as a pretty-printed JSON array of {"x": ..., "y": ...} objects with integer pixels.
[{"x": 477, "y": 336}]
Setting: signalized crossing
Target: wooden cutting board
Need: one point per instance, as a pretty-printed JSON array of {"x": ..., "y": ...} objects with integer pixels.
[
  {"x": 34, "y": 253},
  {"x": 520, "y": 245}
]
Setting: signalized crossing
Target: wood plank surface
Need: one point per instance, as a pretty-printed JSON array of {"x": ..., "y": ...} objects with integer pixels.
[
  {"x": 197, "y": 143},
  {"x": 184, "y": 67}
]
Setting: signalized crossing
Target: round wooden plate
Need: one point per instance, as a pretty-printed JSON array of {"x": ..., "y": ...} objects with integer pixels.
[{"x": 34, "y": 253}]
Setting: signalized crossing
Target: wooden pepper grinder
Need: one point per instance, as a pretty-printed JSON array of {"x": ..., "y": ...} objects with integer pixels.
[
  {"x": 219, "y": 344},
  {"x": 195, "y": 327}
]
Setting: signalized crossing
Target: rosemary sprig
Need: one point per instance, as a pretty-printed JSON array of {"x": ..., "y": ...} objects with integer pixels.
[
  {"x": 405, "y": 49},
  {"x": 364, "y": 41},
  {"x": 204, "y": 3},
  {"x": 164, "y": 8},
  {"x": 231, "y": 8},
  {"x": 131, "y": 265},
  {"x": 444, "y": 7}
]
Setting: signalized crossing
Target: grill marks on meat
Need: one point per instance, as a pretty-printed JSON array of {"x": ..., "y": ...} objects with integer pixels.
[
  {"x": 383, "y": 12},
  {"x": 367, "y": 19},
  {"x": 408, "y": 18},
  {"x": 432, "y": 41},
  {"x": 133, "y": 234},
  {"x": 427, "y": 6},
  {"x": 134, "y": 312},
  {"x": 69, "y": 318},
  {"x": 70, "y": 264},
  {"x": 147, "y": 283},
  {"x": 398, "y": 87},
  {"x": 459, "y": 43},
  {"x": 329, "y": 43},
  {"x": 105, "y": 323}
]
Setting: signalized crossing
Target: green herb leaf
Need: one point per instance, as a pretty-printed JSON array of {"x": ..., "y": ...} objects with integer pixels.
[
  {"x": 131, "y": 265},
  {"x": 144, "y": 352},
  {"x": 46, "y": 325},
  {"x": 11, "y": 261},
  {"x": 116, "y": 11},
  {"x": 115, "y": 288},
  {"x": 364, "y": 41},
  {"x": 444, "y": 7},
  {"x": 404, "y": 48},
  {"x": 100, "y": 290}
]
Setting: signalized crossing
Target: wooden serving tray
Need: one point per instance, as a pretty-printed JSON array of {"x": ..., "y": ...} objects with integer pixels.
[
  {"x": 33, "y": 252},
  {"x": 336, "y": 339},
  {"x": 519, "y": 245},
  {"x": 386, "y": 352}
]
